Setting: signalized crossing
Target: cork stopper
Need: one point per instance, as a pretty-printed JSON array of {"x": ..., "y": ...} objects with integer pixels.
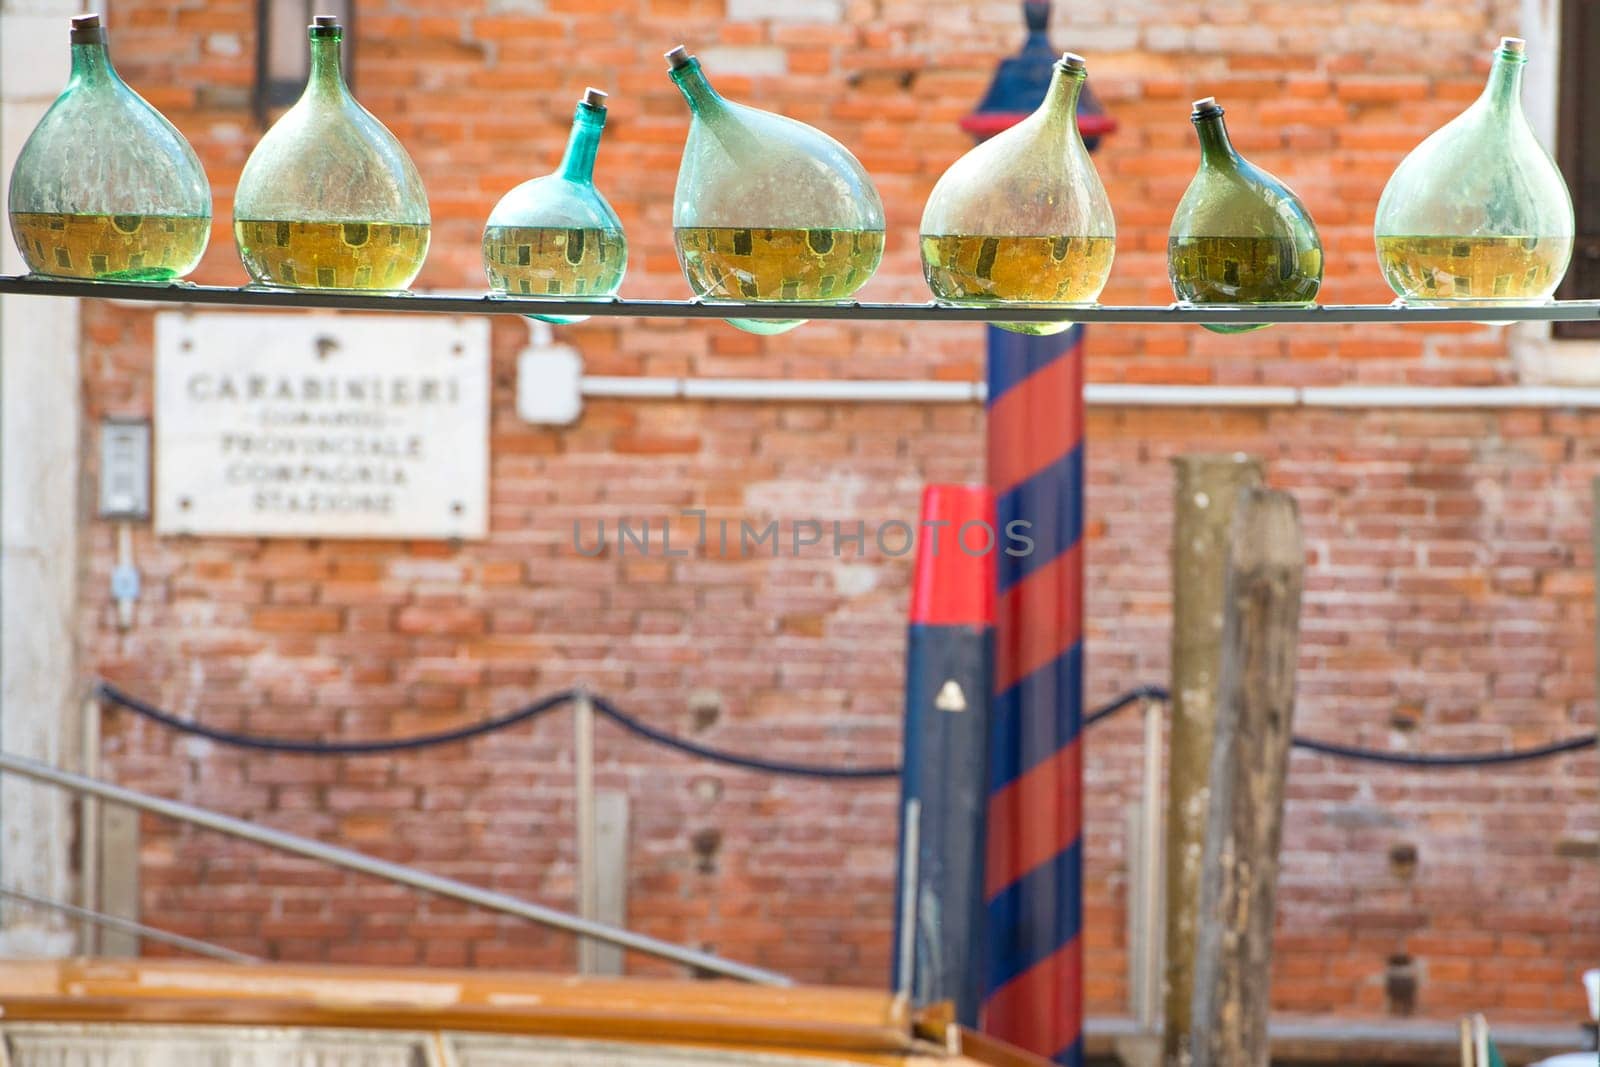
[
  {"x": 1205, "y": 107},
  {"x": 86, "y": 29},
  {"x": 679, "y": 58},
  {"x": 593, "y": 97},
  {"x": 1515, "y": 45},
  {"x": 325, "y": 22},
  {"x": 1072, "y": 61}
]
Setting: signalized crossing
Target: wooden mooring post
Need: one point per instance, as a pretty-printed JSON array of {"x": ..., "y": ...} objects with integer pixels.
[
  {"x": 1249, "y": 765},
  {"x": 1207, "y": 486}
]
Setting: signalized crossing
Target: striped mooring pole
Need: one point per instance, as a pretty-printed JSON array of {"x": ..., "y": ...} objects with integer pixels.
[
  {"x": 939, "y": 926},
  {"x": 1033, "y": 877}
]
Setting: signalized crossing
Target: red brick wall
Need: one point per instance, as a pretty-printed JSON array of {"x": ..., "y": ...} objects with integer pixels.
[{"x": 1448, "y": 605}]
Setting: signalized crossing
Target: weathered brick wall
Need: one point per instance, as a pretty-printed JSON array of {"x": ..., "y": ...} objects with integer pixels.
[{"x": 1448, "y": 602}]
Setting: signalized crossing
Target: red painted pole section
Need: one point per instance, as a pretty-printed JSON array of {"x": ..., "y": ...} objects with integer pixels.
[{"x": 954, "y": 579}]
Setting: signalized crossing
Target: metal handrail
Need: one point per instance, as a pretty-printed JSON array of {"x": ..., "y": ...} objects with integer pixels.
[
  {"x": 128, "y": 926},
  {"x": 457, "y": 303},
  {"x": 393, "y": 872}
]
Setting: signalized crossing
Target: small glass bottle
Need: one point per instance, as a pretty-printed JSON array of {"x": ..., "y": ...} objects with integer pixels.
[
  {"x": 1240, "y": 236},
  {"x": 1478, "y": 213},
  {"x": 329, "y": 199},
  {"x": 556, "y": 236},
  {"x": 767, "y": 208},
  {"x": 1023, "y": 218},
  {"x": 105, "y": 188}
]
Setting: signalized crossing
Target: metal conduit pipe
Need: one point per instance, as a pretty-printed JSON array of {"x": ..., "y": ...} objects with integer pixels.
[
  {"x": 393, "y": 872},
  {"x": 1095, "y": 395}
]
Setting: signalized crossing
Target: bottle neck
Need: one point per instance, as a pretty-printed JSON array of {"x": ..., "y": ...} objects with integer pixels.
[
  {"x": 326, "y": 74},
  {"x": 1504, "y": 89},
  {"x": 691, "y": 82},
  {"x": 91, "y": 65},
  {"x": 577, "y": 164},
  {"x": 1215, "y": 148},
  {"x": 1061, "y": 99}
]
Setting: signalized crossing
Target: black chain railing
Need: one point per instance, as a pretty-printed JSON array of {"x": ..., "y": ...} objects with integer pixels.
[{"x": 658, "y": 736}]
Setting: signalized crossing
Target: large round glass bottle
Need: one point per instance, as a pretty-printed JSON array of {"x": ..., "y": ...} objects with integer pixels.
[
  {"x": 768, "y": 209},
  {"x": 1478, "y": 213},
  {"x": 1023, "y": 218},
  {"x": 105, "y": 188},
  {"x": 1240, "y": 236},
  {"x": 556, "y": 236},
  {"x": 329, "y": 199}
]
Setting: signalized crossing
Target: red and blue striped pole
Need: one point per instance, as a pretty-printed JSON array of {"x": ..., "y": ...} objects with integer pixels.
[{"x": 1033, "y": 880}]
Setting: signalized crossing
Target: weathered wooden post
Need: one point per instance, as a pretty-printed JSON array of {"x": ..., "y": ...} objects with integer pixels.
[
  {"x": 1207, "y": 486},
  {"x": 1249, "y": 765}
]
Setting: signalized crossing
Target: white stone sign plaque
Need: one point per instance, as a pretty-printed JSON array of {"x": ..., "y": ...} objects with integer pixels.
[{"x": 366, "y": 426}]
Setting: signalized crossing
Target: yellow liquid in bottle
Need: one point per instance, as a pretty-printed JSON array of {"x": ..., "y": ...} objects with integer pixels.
[
  {"x": 993, "y": 270},
  {"x": 332, "y": 255},
  {"x": 1243, "y": 270},
  {"x": 1506, "y": 269},
  {"x": 138, "y": 248},
  {"x": 544, "y": 261},
  {"x": 778, "y": 265}
]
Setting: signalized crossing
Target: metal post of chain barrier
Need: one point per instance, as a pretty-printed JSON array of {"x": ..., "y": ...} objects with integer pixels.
[
  {"x": 583, "y": 804},
  {"x": 89, "y": 830},
  {"x": 1153, "y": 886}
]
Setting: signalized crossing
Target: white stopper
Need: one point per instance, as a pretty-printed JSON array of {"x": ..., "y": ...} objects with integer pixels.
[
  {"x": 678, "y": 57},
  {"x": 1204, "y": 102},
  {"x": 1513, "y": 44},
  {"x": 1073, "y": 59},
  {"x": 594, "y": 97}
]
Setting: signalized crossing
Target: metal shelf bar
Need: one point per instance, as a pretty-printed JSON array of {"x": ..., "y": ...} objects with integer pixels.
[{"x": 449, "y": 303}]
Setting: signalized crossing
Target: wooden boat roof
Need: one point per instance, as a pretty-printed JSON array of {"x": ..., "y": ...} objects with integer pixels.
[{"x": 847, "y": 1025}]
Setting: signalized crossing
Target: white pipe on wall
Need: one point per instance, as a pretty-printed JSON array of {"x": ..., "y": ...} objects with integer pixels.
[{"x": 1097, "y": 395}]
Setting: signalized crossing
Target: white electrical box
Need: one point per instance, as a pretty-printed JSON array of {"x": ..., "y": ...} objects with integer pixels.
[
  {"x": 124, "y": 469},
  {"x": 549, "y": 385}
]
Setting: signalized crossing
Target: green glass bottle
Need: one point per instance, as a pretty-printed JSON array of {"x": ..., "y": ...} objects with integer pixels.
[
  {"x": 105, "y": 188},
  {"x": 329, "y": 199},
  {"x": 767, "y": 208},
  {"x": 1478, "y": 213},
  {"x": 556, "y": 236},
  {"x": 1240, "y": 236},
  {"x": 1023, "y": 218}
]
